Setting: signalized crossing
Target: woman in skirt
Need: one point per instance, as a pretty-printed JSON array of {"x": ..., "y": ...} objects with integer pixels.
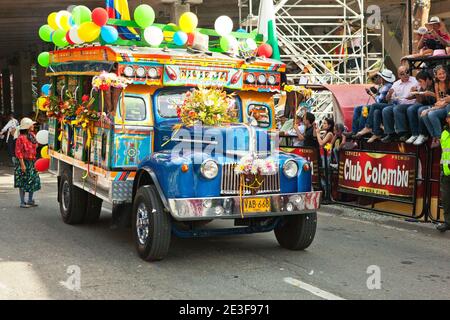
[{"x": 26, "y": 177}]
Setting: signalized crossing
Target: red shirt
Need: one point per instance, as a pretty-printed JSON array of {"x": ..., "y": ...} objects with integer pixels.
[{"x": 25, "y": 149}]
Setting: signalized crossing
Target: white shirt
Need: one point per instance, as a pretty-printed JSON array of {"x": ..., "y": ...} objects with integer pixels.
[
  {"x": 402, "y": 90},
  {"x": 296, "y": 141},
  {"x": 9, "y": 126}
]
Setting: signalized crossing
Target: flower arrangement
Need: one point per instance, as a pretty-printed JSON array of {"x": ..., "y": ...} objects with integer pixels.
[
  {"x": 250, "y": 165},
  {"x": 107, "y": 80},
  {"x": 209, "y": 106},
  {"x": 306, "y": 93},
  {"x": 84, "y": 114}
]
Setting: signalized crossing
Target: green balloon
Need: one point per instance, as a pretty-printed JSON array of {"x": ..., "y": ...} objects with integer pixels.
[
  {"x": 45, "y": 33},
  {"x": 44, "y": 59},
  {"x": 224, "y": 43},
  {"x": 81, "y": 14},
  {"x": 59, "y": 38},
  {"x": 144, "y": 15}
]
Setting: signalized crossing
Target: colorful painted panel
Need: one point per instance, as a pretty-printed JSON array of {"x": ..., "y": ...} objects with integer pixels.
[{"x": 130, "y": 149}]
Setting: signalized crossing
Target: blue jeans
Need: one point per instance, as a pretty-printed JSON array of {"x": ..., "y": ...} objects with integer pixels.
[
  {"x": 359, "y": 122},
  {"x": 415, "y": 120},
  {"x": 394, "y": 119},
  {"x": 433, "y": 121},
  {"x": 375, "y": 109}
]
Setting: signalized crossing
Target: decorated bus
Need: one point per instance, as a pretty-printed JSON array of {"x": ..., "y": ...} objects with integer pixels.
[{"x": 175, "y": 129}]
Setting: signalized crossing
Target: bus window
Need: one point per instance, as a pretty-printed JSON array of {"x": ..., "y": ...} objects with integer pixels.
[{"x": 261, "y": 113}]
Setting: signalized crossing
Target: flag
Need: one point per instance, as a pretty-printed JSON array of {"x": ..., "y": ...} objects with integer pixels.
[
  {"x": 118, "y": 9},
  {"x": 267, "y": 26}
]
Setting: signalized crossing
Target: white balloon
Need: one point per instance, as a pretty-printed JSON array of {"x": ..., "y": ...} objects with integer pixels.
[
  {"x": 223, "y": 25},
  {"x": 73, "y": 35},
  {"x": 154, "y": 36},
  {"x": 251, "y": 44},
  {"x": 42, "y": 137},
  {"x": 59, "y": 15}
]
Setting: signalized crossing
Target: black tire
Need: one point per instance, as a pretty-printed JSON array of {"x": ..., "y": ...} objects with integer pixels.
[
  {"x": 155, "y": 245},
  {"x": 93, "y": 209},
  {"x": 73, "y": 200},
  {"x": 297, "y": 232}
]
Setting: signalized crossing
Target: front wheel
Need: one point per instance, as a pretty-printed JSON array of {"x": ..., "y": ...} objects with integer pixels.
[
  {"x": 297, "y": 232},
  {"x": 151, "y": 225}
]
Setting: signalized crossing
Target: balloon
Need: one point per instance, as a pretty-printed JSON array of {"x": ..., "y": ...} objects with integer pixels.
[
  {"x": 44, "y": 59},
  {"x": 109, "y": 34},
  {"x": 265, "y": 50},
  {"x": 223, "y": 25},
  {"x": 191, "y": 38},
  {"x": 51, "y": 20},
  {"x": 228, "y": 43},
  {"x": 100, "y": 16},
  {"x": 44, "y": 153},
  {"x": 154, "y": 36},
  {"x": 68, "y": 38},
  {"x": 144, "y": 15},
  {"x": 45, "y": 33},
  {"x": 169, "y": 32},
  {"x": 73, "y": 34},
  {"x": 42, "y": 137},
  {"x": 89, "y": 31},
  {"x": 251, "y": 44},
  {"x": 81, "y": 14},
  {"x": 46, "y": 89},
  {"x": 42, "y": 164},
  {"x": 59, "y": 38},
  {"x": 62, "y": 20},
  {"x": 240, "y": 30},
  {"x": 41, "y": 103},
  {"x": 188, "y": 22},
  {"x": 180, "y": 38}
]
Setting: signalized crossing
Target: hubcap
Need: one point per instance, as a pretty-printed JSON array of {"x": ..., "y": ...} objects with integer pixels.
[
  {"x": 66, "y": 195},
  {"x": 142, "y": 223}
]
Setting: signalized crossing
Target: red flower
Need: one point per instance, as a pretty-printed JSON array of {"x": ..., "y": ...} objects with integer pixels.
[
  {"x": 85, "y": 98},
  {"x": 178, "y": 112},
  {"x": 104, "y": 87}
]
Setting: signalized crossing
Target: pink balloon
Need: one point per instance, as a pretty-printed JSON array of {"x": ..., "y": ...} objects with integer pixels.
[{"x": 100, "y": 16}]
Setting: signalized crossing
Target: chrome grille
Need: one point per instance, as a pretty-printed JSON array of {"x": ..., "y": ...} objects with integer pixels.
[{"x": 230, "y": 182}]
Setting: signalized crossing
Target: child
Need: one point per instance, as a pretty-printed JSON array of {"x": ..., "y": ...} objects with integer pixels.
[{"x": 445, "y": 181}]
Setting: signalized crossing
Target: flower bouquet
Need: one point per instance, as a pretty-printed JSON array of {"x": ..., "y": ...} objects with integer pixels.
[
  {"x": 211, "y": 107},
  {"x": 251, "y": 169},
  {"x": 110, "y": 85},
  {"x": 84, "y": 114}
]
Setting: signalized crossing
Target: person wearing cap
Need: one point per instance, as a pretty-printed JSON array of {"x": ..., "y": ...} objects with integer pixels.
[
  {"x": 445, "y": 179},
  {"x": 26, "y": 177},
  {"x": 384, "y": 80}
]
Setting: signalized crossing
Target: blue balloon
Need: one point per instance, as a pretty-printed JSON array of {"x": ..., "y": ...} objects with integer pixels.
[
  {"x": 46, "y": 89},
  {"x": 109, "y": 34},
  {"x": 71, "y": 22},
  {"x": 180, "y": 38},
  {"x": 241, "y": 30}
]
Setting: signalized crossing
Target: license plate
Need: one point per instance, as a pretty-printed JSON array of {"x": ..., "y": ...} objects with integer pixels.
[{"x": 256, "y": 205}]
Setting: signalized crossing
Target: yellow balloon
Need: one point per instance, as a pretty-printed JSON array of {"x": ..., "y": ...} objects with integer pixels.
[
  {"x": 51, "y": 20},
  {"x": 44, "y": 153},
  {"x": 188, "y": 22},
  {"x": 64, "y": 22},
  {"x": 41, "y": 103},
  {"x": 89, "y": 31}
]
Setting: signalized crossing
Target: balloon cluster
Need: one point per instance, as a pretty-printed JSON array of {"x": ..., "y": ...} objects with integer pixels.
[{"x": 43, "y": 163}]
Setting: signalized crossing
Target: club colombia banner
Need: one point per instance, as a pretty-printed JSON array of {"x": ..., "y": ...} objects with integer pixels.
[{"x": 380, "y": 174}]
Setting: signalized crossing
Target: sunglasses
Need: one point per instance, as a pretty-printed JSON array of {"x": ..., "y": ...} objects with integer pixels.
[{"x": 401, "y": 74}]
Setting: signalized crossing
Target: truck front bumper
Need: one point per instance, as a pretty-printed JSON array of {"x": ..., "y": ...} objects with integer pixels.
[{"x": 229, "y": 207}]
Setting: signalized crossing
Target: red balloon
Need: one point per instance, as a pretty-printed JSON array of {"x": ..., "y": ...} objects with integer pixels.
[
  {"x": 42, "y": 164},
  {"x": 68, "y": 38},
  {"x": 191, "y": 38},
  {"x": 265, "y": 50},
  {"x": 100, "y": 16}
]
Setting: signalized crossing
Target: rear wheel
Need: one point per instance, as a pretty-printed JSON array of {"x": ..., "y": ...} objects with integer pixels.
[
  {"x": 73, "y": 202},
  {"x": 151, "y": 225},
  {"x": 297, "y": 232}
]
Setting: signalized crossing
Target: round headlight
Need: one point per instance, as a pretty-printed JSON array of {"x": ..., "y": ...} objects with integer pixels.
[
  {"x": 250, "y": 78},
  {"x": 209, "y": 169},
  {"x": 272, "y": 80},
  {"x": 153, "y": 73},
  {"x": 140, "y": 72},
  {"x": 290, "y": 169},
  {"x": 262, "y": 79},
  {"x": 128, "y": 71}
]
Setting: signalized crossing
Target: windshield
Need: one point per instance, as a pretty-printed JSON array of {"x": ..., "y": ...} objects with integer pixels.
[{"x": 169, "y": 101}]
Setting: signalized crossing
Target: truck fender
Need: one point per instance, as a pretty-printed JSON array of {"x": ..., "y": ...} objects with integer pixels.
[{"x": 146, "y": 176}]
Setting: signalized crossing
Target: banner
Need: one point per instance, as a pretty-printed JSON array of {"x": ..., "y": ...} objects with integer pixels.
[
  {"x": 377, "y": 174},
  {"x": 311, "y": 155}
]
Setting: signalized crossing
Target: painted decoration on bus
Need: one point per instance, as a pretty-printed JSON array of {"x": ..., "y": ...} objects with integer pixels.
[
  {"x": 377, "y": 174},
  {"x": 310, "y": 155},
  {"x": 198, "y": 76}
]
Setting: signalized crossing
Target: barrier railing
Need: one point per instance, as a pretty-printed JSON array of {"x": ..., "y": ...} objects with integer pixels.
[{"x": 434, "y": 195}]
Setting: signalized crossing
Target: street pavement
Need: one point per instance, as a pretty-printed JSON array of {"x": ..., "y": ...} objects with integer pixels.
[{"x": 351, "y": 248}]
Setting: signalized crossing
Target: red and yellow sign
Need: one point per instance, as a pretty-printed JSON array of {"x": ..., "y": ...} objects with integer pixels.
[
  {"x": 380, "y": 174},
  {"x": 311, "y": 155}
]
